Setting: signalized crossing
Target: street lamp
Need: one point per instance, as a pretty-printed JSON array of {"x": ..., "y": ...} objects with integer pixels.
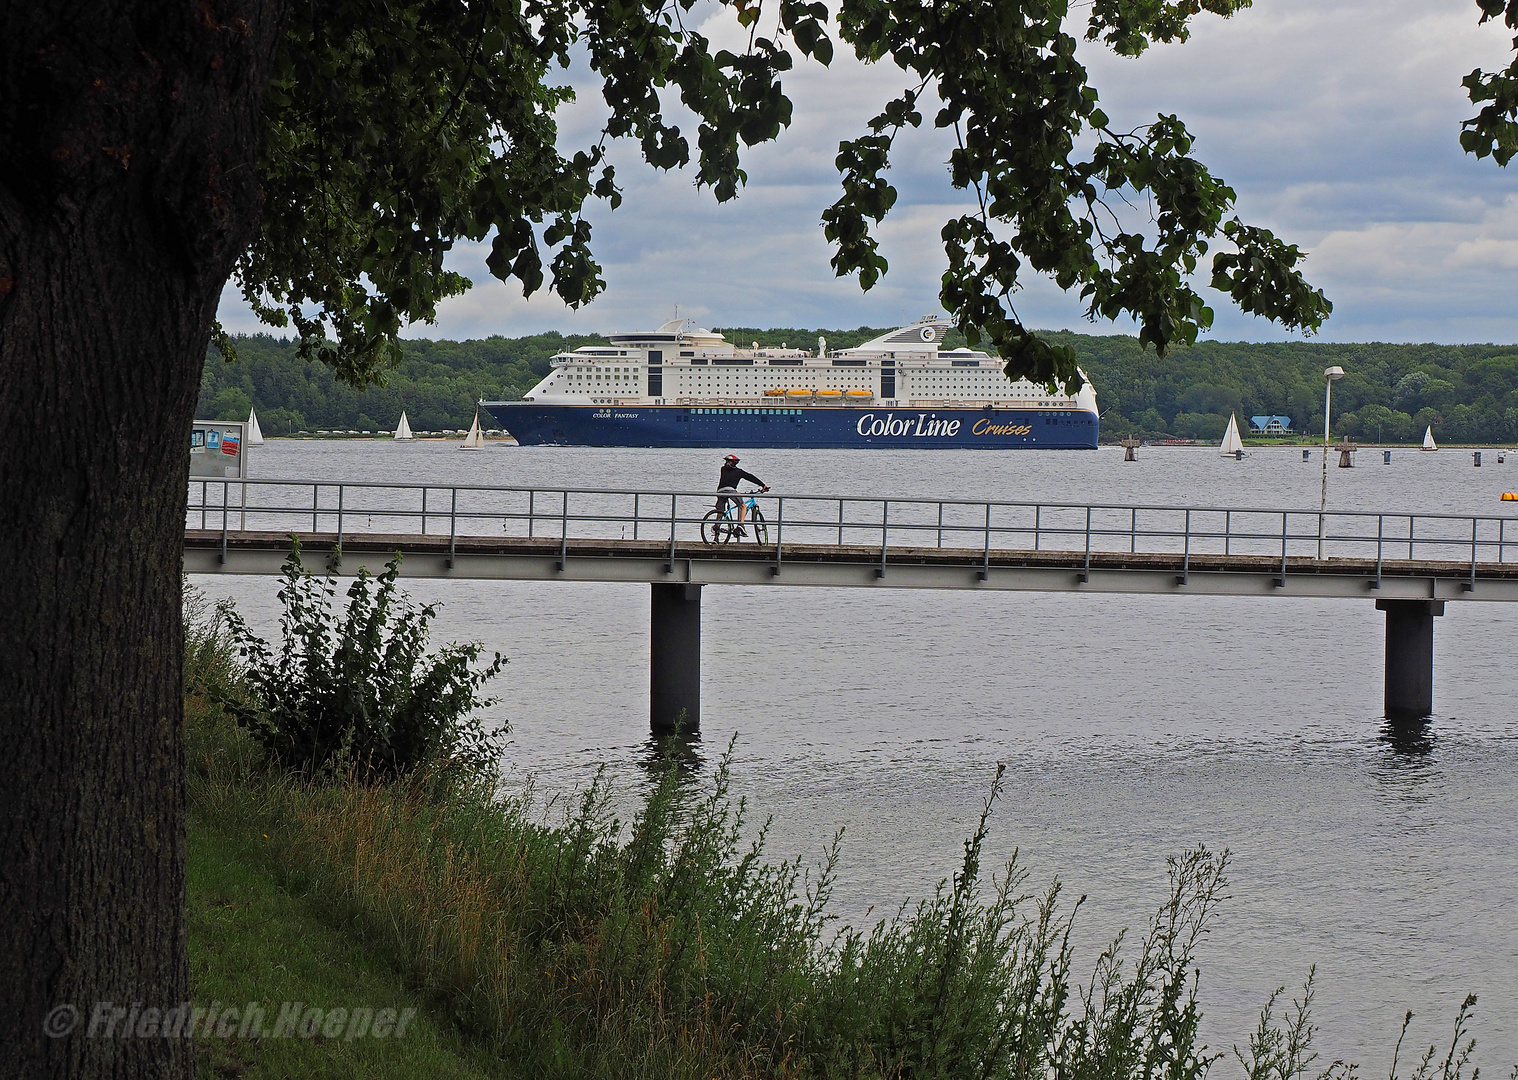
[{"x": 1330, "y": 376}]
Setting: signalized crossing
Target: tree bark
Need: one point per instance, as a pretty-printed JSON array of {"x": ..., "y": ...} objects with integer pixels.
[{"x": 128, "y": 186}]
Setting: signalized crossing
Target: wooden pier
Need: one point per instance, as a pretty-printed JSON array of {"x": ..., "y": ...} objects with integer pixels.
[{"x": 1411, "y": 566}]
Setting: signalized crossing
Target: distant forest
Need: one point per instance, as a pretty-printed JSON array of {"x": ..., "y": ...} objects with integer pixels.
[{"x": 1390, "y": 393}]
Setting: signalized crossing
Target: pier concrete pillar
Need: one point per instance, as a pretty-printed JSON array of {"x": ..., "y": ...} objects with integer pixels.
[
  {"x": 1410, "y": 656},
  {"x": 674, "y": 656}
]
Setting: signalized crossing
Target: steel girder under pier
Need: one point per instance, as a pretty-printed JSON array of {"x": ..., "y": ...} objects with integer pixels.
[
  {"x": 674, "y": 659},
  {"x": 1410, "y": 656}
]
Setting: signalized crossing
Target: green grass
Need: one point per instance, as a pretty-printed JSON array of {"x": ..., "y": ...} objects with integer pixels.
[{"x": 252, "y": 940}]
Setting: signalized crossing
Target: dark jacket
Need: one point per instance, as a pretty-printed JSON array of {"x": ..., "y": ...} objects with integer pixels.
[{"x": 731, "y": 474}]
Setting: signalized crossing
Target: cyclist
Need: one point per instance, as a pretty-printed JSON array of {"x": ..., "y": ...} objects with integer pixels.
[{"x": 727, "y": 484}]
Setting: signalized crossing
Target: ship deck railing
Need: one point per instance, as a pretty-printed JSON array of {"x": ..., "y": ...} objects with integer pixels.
[{"x": 862, "y": 526}]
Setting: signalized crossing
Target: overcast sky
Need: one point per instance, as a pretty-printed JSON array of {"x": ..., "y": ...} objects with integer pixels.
[{"x": 1336, "y": 121}]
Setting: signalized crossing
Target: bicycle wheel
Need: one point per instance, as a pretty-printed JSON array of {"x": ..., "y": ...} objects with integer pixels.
[
  {"x": 714, "y": 528},
  {"x": 761, "y": 530}
]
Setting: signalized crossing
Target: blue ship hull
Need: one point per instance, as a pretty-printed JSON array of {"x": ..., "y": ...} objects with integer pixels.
[{"x": 784, "y": 427}]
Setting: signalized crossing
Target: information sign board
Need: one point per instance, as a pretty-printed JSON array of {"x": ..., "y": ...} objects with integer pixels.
[{"x": 219, "y": 448}]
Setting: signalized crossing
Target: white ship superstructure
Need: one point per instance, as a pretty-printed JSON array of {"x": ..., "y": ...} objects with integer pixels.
[{"x": 683, "y": 364}]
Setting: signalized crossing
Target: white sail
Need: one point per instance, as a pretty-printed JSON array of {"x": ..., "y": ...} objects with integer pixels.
[
  {"x": 255, "y": 433},
  {"x": 474, "y": 440},
  {"x": 403, "y": 429},
  {"x": 1428, "y": 439},
  {"x": 1232, "y": 444}
]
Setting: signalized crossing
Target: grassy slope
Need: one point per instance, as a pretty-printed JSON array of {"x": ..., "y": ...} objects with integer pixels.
[
  {"x": 259, "y": 934},
  {"x": 253, "y": 940}
]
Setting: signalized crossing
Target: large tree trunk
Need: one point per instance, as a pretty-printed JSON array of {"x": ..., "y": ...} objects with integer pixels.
[{"x": 128, "y": 137}]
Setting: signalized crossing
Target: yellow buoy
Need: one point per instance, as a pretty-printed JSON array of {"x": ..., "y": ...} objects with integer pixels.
[{"x": 1510, "y": 496}]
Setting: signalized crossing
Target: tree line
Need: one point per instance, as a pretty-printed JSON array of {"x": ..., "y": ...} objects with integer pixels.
[{"x": 1389, "y": 393}]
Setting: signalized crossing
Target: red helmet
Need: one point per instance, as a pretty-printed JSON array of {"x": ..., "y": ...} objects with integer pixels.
[{"x": 731, "y": 459}]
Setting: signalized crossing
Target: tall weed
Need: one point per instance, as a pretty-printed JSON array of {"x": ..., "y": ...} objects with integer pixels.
[
  {"x": 211, "y": 671},
  {"x": 217, "y": 752},
  {"x": 668, "y": 945}
]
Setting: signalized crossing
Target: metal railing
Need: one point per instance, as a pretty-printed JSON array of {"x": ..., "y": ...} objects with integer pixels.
[{"x": 877, "y": 525}]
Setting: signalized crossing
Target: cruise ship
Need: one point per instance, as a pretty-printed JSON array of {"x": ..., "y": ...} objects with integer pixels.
[{"x": 682, "y": 385}]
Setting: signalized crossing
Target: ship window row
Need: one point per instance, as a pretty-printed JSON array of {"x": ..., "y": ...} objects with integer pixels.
[{"x": 746, "y": 412}]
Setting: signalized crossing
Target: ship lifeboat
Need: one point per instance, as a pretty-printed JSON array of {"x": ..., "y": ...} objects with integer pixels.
[
  {"x": 797, "y": 393},
  {"x": 830, "y": 395},
  {"x": 774, "y": 392},
  {"x": 860, "y": 395}
]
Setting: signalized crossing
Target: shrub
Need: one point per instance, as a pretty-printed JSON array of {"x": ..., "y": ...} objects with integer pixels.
[{"x": 357, "y": 690}]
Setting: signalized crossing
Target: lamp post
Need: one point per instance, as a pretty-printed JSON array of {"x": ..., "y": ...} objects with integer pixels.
[{"x": 1330, "y": 376}]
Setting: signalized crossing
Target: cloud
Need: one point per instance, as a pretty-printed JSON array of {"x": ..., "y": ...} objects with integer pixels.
[
  {"x": 1485, "y": 252},
  {"x": 1337, "y": 124},
  {"x": 1434, "y": 280}
]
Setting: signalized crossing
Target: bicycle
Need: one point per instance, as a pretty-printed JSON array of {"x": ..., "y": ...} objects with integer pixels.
[{"x": 722, "y": 526}]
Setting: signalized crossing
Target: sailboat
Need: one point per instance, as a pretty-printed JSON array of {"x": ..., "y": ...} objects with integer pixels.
[
  {"x": 474, "y": 440},
  {"x": 403, "y": 429},
  {"x": 1232, "y": 445},
  {"x": 255, "y": 433},
  {"x": 1428, "y": 439}
]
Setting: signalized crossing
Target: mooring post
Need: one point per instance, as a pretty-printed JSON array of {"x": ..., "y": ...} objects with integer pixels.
[
  {"x": 674, "y": 658},
  {"x": 1410, "y": 656}
]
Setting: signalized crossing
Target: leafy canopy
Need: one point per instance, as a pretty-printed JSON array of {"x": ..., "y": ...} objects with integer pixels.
[
  {"x": 1493, "y": 131},
  {"x": 395, "y": 127}
]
